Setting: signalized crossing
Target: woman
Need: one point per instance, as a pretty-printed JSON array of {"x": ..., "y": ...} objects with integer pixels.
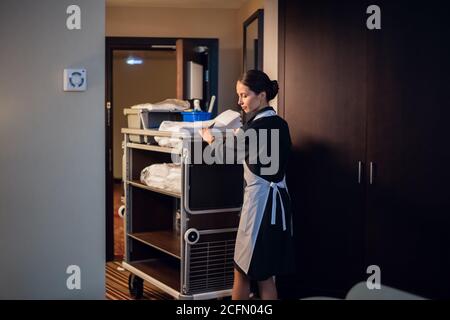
[{"x": 264, "y": 243}]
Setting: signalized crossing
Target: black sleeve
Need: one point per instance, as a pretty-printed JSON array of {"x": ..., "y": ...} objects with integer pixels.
[
  {"x": 229, "y": 146},
  {"x": 273, "y": 149},
  {"x": 264, "y": 145}
]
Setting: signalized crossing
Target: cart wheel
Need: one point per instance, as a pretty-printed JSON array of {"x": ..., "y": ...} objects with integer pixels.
[{"x": 136, "y": 286}]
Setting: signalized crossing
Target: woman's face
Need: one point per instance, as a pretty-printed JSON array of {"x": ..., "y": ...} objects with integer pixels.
[{"x": 248, "y": 100}]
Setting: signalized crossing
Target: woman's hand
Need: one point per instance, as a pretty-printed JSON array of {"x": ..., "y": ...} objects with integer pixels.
[{"x": 206, "y": 135}]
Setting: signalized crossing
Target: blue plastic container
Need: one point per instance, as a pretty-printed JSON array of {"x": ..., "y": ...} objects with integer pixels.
[{"x": 196, "y": 116}]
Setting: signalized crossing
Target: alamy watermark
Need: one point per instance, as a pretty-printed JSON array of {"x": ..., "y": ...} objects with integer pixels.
[
  {"x": 73, "y": 21},
  {"x": 73, "y": 282},
  {"x": 256, "y": 146},
  {"x": 374, "y": 21},
  {"x": 374, "y": 280}
]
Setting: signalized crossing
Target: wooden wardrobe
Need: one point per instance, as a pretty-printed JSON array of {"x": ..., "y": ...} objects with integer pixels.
[{"x": 368, "y": 113}]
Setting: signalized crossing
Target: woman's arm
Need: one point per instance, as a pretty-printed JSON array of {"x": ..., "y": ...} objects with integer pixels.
[
  {"x": 228, "y": 146},
  {"x": 206, "y": 135}
]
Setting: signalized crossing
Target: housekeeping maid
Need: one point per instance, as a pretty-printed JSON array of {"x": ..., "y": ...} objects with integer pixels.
[{"x": 264, "y": 242}]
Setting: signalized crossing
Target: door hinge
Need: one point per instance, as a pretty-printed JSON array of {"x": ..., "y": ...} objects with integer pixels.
[
  {"x": 372, "y": 168},
  {"x": 110, "y": 159},
  {"x": 359, "y": 171},
  {"x": 108, "y": 115}
]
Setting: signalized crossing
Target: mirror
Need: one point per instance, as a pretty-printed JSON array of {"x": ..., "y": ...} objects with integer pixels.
[{"x": 253, "y": 41}]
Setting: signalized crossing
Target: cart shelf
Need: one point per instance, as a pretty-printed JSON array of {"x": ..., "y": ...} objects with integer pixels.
[
  {"x": 148, "y": 147},
  {"x": 166, "y": 241},
  {"x": 138, "y": 184},
  {"x": 159, "y": 271},
  {"x": 155, "y": 133}
]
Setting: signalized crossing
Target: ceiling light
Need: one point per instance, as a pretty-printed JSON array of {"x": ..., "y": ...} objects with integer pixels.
[{"x": 134, "y": 60}]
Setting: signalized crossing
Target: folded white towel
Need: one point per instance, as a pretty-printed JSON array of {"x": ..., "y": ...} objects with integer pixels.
[
  {"x": 165, "y": 105},
  {"x": 163, "y": 175},
  {"x": 158, "y": 170},
  {"x": 169, "y": 142},
  {"x": 228, "y": 119}
]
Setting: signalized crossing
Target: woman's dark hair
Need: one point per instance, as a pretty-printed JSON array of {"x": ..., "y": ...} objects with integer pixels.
[{"x": 258, "y": 82}]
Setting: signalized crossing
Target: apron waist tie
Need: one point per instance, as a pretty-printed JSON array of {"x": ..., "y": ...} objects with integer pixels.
[{"x": 276, "y": 192}]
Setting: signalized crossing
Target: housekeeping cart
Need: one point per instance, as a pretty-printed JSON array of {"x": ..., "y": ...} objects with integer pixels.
[{"x": 181, "y": 242}]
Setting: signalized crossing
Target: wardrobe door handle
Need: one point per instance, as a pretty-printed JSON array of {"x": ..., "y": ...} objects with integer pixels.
[
  {"x": 371, "y": 172},
  {"x": 359, "y": 171}
]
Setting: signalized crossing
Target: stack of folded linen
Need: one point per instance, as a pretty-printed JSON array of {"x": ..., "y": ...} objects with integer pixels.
[
  {"x": 165, "y": 105},
  {"x": 162, "y": 175},
  {"x": 228, "y": 119}
]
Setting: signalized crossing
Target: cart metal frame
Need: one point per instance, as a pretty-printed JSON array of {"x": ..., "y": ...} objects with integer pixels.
[{"x": 196, "y": 257}]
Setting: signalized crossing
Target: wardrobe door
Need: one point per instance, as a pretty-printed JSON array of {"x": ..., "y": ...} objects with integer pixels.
[
  {"x": 408, "y": 114},
  {"x": 323, "y": 98}
]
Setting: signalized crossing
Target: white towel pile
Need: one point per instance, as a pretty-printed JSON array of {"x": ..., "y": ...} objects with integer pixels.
[
  {"x": 162, "y": 175},
  {"x": 228, "y": 119},
  {"x": 165, "y": 105}
]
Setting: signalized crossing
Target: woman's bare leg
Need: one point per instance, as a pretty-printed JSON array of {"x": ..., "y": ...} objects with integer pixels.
[
  {"x": 241, "y": 286},
  {"x": 268, "y": 289}
]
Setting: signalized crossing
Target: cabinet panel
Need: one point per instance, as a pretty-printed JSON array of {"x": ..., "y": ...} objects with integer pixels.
[
  {"x": 215, "y": 186},
  {"x": 408, "y": 204},
  {"x": 324, "y": 82}
]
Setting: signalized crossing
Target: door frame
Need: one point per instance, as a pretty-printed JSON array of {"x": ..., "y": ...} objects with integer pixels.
[
  {"x": 257, "y": 16},
  {"x": 138, "y": 43},
  {"x": 281, "y": 56}
]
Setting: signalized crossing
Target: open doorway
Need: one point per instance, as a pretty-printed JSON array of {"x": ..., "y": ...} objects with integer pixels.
[
  {"x": 140, "y": 76},
  {"x": 145, "y": 70}
]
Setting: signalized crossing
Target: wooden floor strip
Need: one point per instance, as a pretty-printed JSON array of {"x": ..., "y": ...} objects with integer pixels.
[{"x": 117, "y": 285}]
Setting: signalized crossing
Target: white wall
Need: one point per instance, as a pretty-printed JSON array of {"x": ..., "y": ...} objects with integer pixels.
[{"x": 52, "y": 195}]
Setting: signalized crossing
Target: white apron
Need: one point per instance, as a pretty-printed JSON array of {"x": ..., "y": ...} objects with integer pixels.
[{"x": 255, "y": 199}]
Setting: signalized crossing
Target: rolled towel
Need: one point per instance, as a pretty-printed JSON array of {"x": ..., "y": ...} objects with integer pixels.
[{"x": 163, "y": 176}]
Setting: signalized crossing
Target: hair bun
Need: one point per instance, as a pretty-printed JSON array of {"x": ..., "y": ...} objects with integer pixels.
[
  {"x": 275, "y": 85},
  {"x": 257, "y": 81},
  {"x": 275, "y": 89}
]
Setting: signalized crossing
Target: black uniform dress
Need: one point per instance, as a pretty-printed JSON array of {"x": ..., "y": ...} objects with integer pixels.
[{"x": 264, "y": 244}]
